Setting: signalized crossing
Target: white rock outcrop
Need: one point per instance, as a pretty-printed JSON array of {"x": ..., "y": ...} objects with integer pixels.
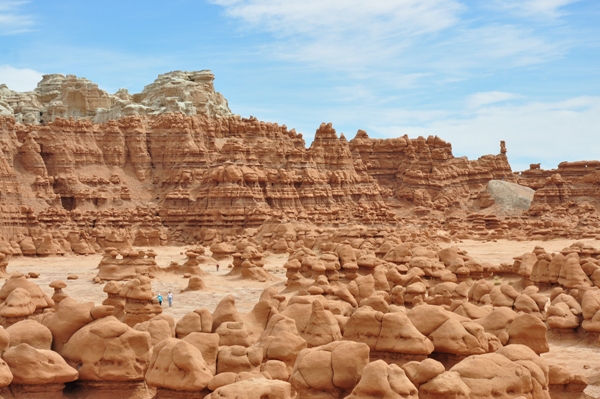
[{"x": 57, "y": 95}]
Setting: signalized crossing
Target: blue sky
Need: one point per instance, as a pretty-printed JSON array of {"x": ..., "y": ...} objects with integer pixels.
[{"x": 471, "y": 72}]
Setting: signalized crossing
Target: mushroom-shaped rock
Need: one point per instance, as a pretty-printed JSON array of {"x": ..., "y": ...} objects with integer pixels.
[
  {"x": 449, "y": 332},
  {"x": 329, "y": 370},
  {"x": 32, "y": 333},
  {"x": 31, "y": 366},
  {"x": 512, "y": 371},
  {"x": 108, "y": 350},
  {"x": 388, "y": 333},
  {"x": 571, "y": 274},
  {"x": 225, "y": 311},
  {"x": 322, "y": 327},
  {"x": 200, "y": 320},
  {"x": 195, "y": 283},
  {"x": 445, "y": 385},
  {"x": 280, "y": 340},
  {"x": 6, "y": 376},
  {"x": 208, "y": 345},
  {"x": 221, "y": 250},
  {"x": 113, "y": 289},
  {"x": 421, "y": 372},
  {"x": 380, "y": 380},
  {"x": 139, "y": 288},
  {"x": 177, "y": 365},
  {"x": 362, "y": 287},
  {"x": 529, "y": 330},
  {"x": 233, "y": 333},
  {"x": 160, "y": 328},
  {"x": 497, "y": 322},
  {"x": 254, "y": 388},
  {"x": 561, "y": 317},
  {"x": 237, "y": 359},
  {"x": 59, "y": 294},
  {"x": 70, "y": 317},
  {"x": 493, "y": 375},
  {"x": 16, "y": 307},
  {"x": 139, "y": 301},
  {"x": 590, "y": 308}
]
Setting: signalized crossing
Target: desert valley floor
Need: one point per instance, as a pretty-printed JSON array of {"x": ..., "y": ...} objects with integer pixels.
[{"x": 580, "y": 353}]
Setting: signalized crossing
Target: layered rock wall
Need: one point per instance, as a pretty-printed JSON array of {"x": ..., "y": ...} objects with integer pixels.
[{"x": 76, "y": 159}]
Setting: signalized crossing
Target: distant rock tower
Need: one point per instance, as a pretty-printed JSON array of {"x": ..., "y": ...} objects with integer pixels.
[{"x": 502, "y": 147}]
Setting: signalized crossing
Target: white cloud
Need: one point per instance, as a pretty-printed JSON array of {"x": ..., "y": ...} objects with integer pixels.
[
  {"x": 419, "y": 37},
  {"x": 489, "y": 97},
  {"x": 540, "y": 8},
  {"x": 12, "y": 21},
  {"x": 333, "y": 17},
  {"x": 343, "y": 34},
  {"x": 19, "y": 79},
  {"x": 546, "y": 132}
]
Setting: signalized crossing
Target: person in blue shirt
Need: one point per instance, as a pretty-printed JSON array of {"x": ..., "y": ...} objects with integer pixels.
[{"x": 159, "y": 297}]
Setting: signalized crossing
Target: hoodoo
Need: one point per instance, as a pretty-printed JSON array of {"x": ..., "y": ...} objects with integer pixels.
[{"x": 212, "y": 256}]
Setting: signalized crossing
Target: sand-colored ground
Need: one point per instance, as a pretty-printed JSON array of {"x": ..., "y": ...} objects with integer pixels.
[
  {"x": 581, "y": 354},
  {"x": 218, "y": 283}
]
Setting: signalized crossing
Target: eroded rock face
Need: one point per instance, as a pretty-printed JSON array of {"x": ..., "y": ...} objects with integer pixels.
[
  {"x": 108, "y": 350},
  {"x": 178, "y": 365},
  {"x": 31, "y": 366},
  {"x": 329, "y": 370},
  {"x": 59, "y": 96},
  {"x": 195, "y": 163},
  {"x": 254, "y": 389},
  {"x": 384, "y": 381}
]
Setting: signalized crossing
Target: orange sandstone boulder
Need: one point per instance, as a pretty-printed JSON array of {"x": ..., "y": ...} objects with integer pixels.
[
  {"x": 445, "y": 385},
  {"x": 177, "y": 365},
  {"x": 69, "y": 317},
  {"x": 200, "y": 320},
  {"x": 529, "y": 330},
  {"x": 255, "y": 388},
  {"x": 17, "y": 306},
  {"x": 32, "y": 333},
  {"x": 329, "y": 371},
  {"x": 389, "y": 332},
  {"x": 380, "y": 380},
  {"x": 238, "y": 359},
  {"x": 31, "y": 366},
  {"x": 322, "y": 327},
  {"x": 160, "y": 327},
  {"x": 108, "y": 350},
  {"x": 280, "y": 340}
]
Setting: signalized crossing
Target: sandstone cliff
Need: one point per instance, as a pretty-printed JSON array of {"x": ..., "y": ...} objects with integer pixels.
[
  {"x": 173, "y": 160},
  {"x": 190, "y": 93}
]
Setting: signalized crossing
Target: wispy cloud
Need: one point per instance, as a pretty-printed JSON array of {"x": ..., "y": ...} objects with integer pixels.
[
  {"x": 489, "y": 97},
  {"x": 334, "y": 17},
  {"x": 12, "y": 20},
  {"x": 406, "y": 37},
  {"x": 497, "y": 46},
  {"x": 536, "y": 8},
  {"x": 343, "y": 33},
  {"x": 19, "y": 79}
]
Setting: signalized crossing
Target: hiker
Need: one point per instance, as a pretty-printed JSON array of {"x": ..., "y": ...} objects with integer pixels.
[
  {"x": 159, "y": 297},
  {"x": 170, "y": 298},
  {"x": 217, "y": 267}
]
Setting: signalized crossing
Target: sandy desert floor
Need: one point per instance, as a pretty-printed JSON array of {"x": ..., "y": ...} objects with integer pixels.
[{"x": 580, "y": 353}]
